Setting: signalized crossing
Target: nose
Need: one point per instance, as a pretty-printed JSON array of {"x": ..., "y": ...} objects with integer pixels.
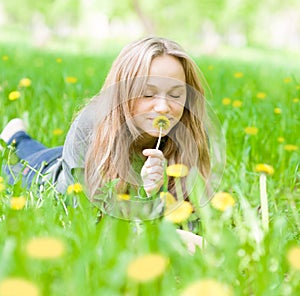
[{"x": 161, "y": 105}]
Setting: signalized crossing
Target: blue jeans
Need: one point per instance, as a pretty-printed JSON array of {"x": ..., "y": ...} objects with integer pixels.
[{"x": 36, "y": 158}]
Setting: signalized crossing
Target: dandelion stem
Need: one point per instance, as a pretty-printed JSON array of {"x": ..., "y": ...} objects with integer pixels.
[
  {"x": 159, "y": 137},
  {"x": 178, "y": 189},
  {"x": 264, "y": 201}
]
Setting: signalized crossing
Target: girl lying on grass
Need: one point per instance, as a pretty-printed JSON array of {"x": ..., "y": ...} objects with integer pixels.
[{"x": 113, "y": 137}]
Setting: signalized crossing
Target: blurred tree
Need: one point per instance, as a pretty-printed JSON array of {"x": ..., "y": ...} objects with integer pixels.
[{"x": 190, "y": 19}]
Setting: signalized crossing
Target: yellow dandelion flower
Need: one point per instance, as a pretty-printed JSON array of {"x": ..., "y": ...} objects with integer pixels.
[
  {"x": 71, "y": 79},
  {"x": 168, "y": 198},
  {"x": 161, "y": 122},
  {"x": 5, "y": 58},
  {"x": 293, "y": 257},
  {"x": 45, "y": 248},
  {"x": 177, "y": 170},
  {"x": 17, "y": 203},
  {"x": 296, "y": 100},
  {"x": 251, "y": 130},
  {"x": 123, "y": 196},
  {"x": 210, "y": 67},
  {"x": 264, "y": 168},
  {"x": 280, "y": 139},
  {"x": 261, "y": 95},
  {"x": 70, "y": 189},
  {"x": 290, "y": 147},
  {"x": 18, "y": 286},
  {"x": 147, "y": 267},
  {"x": 287, "y": 79},
  {"x": 222, "y": 200},
  {"x": 207, "y": 287},
  {"x": 58, "y": 60},
  {"x": 2, "y": 187},
  {"x": 14, "y": 95},
  {"x": 57, "y": 132},
  {"x": 74, "y": 188},
  {"x": 178, "y": 214},
  {"x": 226, "y": 101},
  {"x": 277, "y": 111},
  {"x": 238, "y": 74},
  {"x": 24, "y": 82},
  {"x": 237, "y": 104}
]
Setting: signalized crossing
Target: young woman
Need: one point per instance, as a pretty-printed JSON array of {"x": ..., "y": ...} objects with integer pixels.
[{"x": 113, "y": 137}]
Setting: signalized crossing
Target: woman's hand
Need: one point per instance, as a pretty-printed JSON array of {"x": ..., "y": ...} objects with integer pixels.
[{"x": 152, "y": 172}]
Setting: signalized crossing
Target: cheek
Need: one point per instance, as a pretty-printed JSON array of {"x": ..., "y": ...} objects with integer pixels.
[{"x": 178, "y": 111}]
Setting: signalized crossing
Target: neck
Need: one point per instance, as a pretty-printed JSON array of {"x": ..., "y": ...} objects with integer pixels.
[{"x": 145, "y": 141}]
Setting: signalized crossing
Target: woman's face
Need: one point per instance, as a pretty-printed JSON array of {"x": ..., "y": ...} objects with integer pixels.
[{"x": 164, "y": 94}]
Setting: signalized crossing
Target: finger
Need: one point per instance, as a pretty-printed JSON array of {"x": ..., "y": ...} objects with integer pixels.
[
  {"x": 153, "y": 153},
  {"x": 153, "y": 162}
]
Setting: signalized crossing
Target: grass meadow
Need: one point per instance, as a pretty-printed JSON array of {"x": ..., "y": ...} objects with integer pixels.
[{"x": 49, "y": 247}]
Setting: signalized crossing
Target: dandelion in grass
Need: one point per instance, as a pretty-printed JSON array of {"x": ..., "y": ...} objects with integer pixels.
[
  {"x": 277, "y": 111},
  {"x": 179, "y": 212},
  {"x": 238, "y": 75},
  {"x": 45, "y": 248},
  {"x": 280, "y": 139},
  {"x": 293, "y": 257},
  {"x": 261, "y": 95},
  {"x": 290, "y": 147},
  {"x": 71, "y": 79},
  {"x": 14, "y": 95},
  {"x": 59, "y": 60},
  {"x": 177, "y": 171},
  {"x": 296, "y": 100},
  {"x": 74, "y": 188},
  {"x": 207, "y": 287},
  {"x": 251, "y": 130},
  {"x": 161, "y": 123},
  {"x": 237, "y": 104},
  {"x": 5, "y": 58},
  {"x": 17, "y": 203},
  {"x": 123, "y": 196},
  {"x": 57, "y": 132},
  {"x": 24, "y": 82},
  {"x": 222, "y": 201},
  {"x": 287, "y": 80},
  {"x": 18, "y": 286},
  {"x": 168, "y": 198},
  {"x": 147, "y": 267},
  {"x": 264, "y": 170},
  {"x": 2, "y": 187},
  {"x": 226, "y": 101}
]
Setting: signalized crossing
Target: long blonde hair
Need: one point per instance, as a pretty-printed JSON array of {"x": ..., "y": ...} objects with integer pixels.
[{"x": 109, "y": 154}]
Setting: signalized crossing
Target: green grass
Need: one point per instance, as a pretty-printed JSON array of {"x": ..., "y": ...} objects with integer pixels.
[{"x": 238, "y": 252}]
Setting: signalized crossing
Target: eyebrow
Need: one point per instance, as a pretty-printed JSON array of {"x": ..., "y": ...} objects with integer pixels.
[{"x": 173, "y": 87}]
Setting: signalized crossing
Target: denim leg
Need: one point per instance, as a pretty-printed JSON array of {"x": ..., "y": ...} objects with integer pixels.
[
  {"x": 37, "y": 157},
  {"x": 25, "y": 145}
]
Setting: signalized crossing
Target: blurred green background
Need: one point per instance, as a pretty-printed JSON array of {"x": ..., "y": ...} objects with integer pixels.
[{"x": 204, "y": 26}]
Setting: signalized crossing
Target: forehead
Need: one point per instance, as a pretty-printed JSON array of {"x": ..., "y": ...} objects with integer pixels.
[
  {"x": 167, "y": 66},
  {"x": 161, "y": 82}
]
